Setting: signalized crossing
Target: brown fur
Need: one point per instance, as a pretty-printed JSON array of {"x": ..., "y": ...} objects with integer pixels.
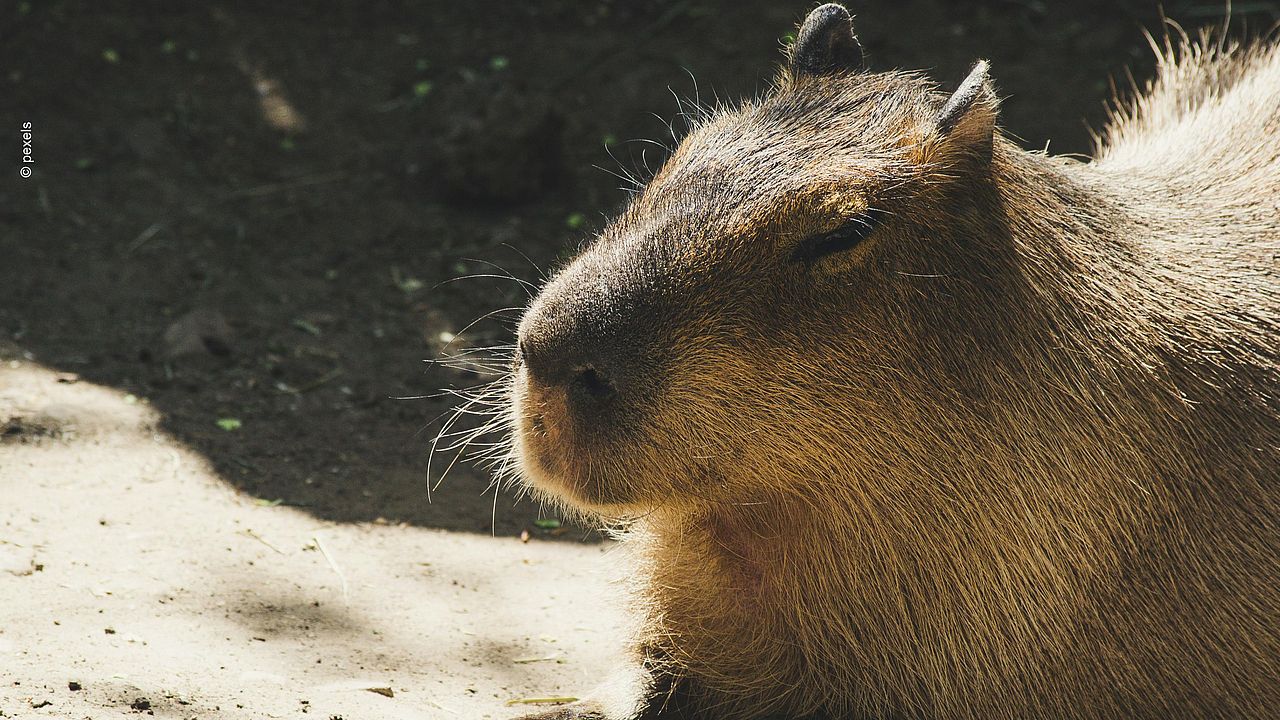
[{"x": 1016, "y": 455}]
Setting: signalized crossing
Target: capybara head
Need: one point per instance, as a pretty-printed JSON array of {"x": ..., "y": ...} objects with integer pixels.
[{"x": 759, "y": 311}]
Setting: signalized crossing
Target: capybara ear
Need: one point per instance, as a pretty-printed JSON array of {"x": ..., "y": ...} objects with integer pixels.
[
  {"x": 966, "y": 125},
  {"x": 826, "y": 43}
]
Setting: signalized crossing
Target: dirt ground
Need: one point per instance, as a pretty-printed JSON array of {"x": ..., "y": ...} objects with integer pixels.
[
  {"x": 250, "y": 224},
  {"x": 136, "y": 580}
]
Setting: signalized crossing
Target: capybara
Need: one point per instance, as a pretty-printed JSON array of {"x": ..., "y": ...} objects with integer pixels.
[{"x": 900, "y": 420}]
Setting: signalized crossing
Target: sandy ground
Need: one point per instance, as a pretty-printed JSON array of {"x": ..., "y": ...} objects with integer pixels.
[{"x": 135, "y": 581}]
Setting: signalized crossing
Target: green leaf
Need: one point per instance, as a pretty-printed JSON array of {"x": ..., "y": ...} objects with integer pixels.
[
  {"x": 306, "y": 327},
  {"x": 229, "y": 424},
  {"x": 546, "y": 523}
]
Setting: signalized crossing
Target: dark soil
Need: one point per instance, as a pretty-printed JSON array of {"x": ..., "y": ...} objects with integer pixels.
[{"x": 252, "y": 211}]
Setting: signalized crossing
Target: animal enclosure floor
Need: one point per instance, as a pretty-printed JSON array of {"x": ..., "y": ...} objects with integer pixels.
[{"x": 136, "y": 582}]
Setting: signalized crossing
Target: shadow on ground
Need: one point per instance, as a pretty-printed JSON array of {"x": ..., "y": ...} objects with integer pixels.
[{"x": 245, "y": 212}]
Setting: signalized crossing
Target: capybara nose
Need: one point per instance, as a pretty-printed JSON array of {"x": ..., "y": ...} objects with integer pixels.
[{"x": 568, "y": 363}]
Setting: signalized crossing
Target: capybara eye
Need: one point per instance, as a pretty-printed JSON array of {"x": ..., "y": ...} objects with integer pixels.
[{"x": 846, "y": 237}]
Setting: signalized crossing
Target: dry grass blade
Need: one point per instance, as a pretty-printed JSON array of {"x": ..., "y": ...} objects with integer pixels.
[{"x": 346, "y": 597}]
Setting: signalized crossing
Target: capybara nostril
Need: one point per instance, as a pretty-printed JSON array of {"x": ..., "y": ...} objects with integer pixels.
[
  {"x": 589, "y": 383},
  {"x": 566, "y": 364},
  {"x": 586, "y": 348}
]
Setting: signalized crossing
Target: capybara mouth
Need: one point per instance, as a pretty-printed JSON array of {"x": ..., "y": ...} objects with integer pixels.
[
  {"x": 545, "y": 469},
  {"x": 543, "y": 441},
  {"x": 585, "y": 434},
  {"x": 554, "y": 449}
]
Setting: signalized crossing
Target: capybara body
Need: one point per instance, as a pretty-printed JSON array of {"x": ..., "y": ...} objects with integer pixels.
[{"x": 905, "y": 421}]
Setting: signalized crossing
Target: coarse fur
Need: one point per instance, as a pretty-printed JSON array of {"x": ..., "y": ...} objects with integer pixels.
[{"x": 1017, "y": 454}]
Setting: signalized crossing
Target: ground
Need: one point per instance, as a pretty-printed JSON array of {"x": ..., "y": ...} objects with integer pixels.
[
  {"x": 247, "y": 228},
  {"x": 135, "y": 579}
]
